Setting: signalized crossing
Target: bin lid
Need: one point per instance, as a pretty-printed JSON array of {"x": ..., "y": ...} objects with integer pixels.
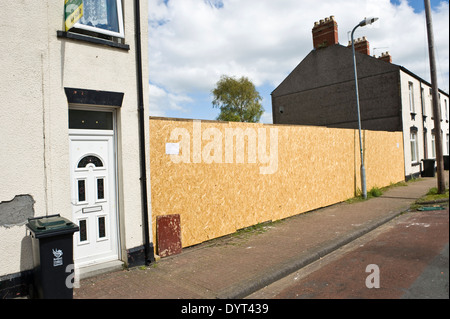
[{"x": 48, "y": 226}]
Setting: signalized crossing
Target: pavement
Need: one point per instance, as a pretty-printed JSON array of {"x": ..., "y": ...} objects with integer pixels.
[{"x": 238, "y": 265}]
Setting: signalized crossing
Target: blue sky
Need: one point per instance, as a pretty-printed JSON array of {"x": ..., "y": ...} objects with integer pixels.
[
  {"x": 193, "y": 42},
  {"x": 418, "y": 5}
]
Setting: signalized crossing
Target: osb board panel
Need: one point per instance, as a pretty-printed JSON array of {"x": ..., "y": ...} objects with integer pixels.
[
  {"x": 168, "y": 232},
  {"x": 315, "y": 167},
  {"x": 384, "y": 159}
]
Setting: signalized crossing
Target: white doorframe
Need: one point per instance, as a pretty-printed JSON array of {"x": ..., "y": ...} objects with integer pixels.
[{"x": 92, "y": 135}]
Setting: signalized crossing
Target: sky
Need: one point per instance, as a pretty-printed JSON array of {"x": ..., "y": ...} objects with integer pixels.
[{"x": 192, "y": 43}]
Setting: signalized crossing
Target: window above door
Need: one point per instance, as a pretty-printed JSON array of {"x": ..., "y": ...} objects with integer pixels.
[{"x": 90, "y": 120}]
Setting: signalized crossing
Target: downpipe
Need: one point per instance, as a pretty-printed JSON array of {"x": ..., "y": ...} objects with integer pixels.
[{"x": 149, "y": 256}]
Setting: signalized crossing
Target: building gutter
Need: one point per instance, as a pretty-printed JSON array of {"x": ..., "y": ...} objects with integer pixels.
[{"x": 149, "y": 256}]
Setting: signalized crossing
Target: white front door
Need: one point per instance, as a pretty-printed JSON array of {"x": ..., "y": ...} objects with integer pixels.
[{"x": 93, "y": 187}]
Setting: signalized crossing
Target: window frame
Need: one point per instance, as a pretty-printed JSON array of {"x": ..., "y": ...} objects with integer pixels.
[
  {"x": 120, "y": 34},
  {"x": 446, "y": 109},
  {"x": 433, "y": 145},
  {"x": 448, "y": 146},
  {"x": 431, "y": 103},
  {"x": 412, "y": 107},
  {"x": 422, "y": 101},
  {"x": 414, "y": 146}
]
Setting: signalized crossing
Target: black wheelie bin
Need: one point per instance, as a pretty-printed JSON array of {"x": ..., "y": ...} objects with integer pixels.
[{"x": 52, "y": 245}]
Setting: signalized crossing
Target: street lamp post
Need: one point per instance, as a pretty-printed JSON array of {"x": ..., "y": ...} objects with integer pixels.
[{"x": 363, "y": 169}]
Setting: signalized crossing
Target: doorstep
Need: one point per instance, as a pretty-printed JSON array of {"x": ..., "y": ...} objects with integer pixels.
[{"x": 98, "y": 269}]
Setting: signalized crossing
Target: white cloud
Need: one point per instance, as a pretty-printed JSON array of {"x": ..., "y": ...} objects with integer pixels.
[
  {"x": 161, "y": 101},
  {"x": 266, "y": 118},
  {"x": 193, "y": 42}
]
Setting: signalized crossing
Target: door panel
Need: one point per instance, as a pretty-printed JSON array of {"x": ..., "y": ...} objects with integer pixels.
[{"x": 93, "y": 198}]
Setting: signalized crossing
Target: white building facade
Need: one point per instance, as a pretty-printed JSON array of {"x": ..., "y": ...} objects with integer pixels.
[
  {"x": 74, "y": 132},
  {"x": 419, "y": 135}
]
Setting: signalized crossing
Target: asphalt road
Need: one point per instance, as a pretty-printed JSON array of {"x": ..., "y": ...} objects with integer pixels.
[{"x": 405, "y": 258}]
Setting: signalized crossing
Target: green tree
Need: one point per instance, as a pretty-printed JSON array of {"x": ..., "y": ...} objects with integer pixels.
[{"x": 237, "y": 100}]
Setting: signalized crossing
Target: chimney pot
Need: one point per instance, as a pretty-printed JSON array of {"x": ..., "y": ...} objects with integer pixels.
[
  {"x": 385, "y": 56},
  {"x": 325, "y": 33},
  {"x": 361, "y": 45}
]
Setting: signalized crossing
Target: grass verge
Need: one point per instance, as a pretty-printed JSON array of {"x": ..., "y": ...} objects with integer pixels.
[{"x": 431, "y": 199}]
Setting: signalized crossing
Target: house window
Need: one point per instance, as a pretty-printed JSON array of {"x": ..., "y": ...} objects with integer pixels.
[
  {"x": 433, "y": 146},
  {"x": 414, "y": 147},
  {"x": 422, "y": 100},
  {"x": 425, "y": 143},
  {"x": 431, "y": 103},
  {"x": 411, "y": 97},
  {"x": 448, "y": 149},
  {"x": 446, "y": 110},
  {"x": 102, "y": 16}
]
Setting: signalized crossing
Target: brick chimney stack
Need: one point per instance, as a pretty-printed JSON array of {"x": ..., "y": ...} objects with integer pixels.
[
  {"x": 385, "y": 56},
  {"x": 361, "y": 45},
  {"x": 325, "y": 33}
]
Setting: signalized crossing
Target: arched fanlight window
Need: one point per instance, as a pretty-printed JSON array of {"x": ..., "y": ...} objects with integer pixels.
[{"x": 90, "y": 159}]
